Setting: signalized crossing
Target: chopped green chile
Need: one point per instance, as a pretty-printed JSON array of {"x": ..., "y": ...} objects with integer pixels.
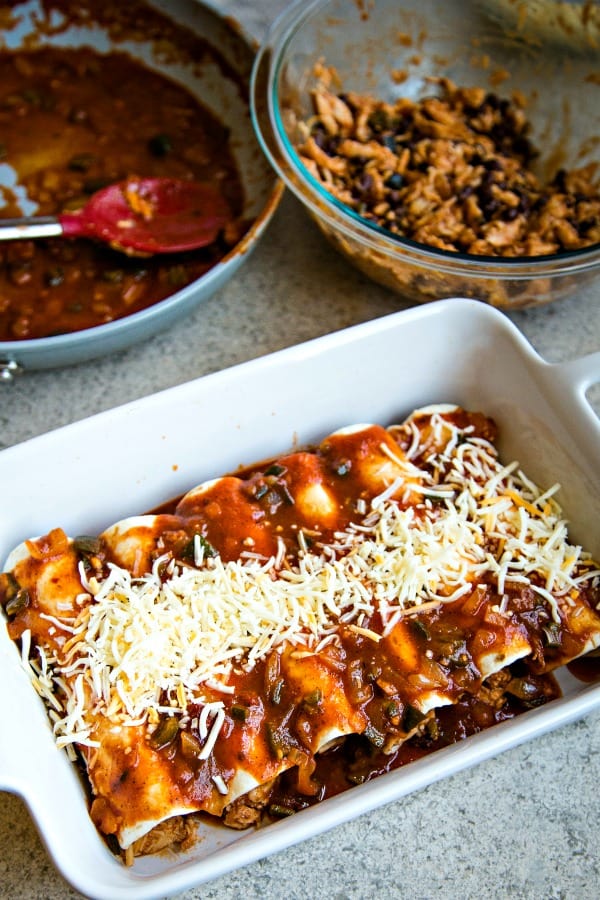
[
  {"x": 279, "y": 811},
  {"x": 18, "y": 603},
  {"x": 278, "y": 743},
  {"x": 412, "y": 717},
  {"x": 188, "y": 553},
  {"x": 272, "y": 673},
  {"x": 275, "y": 470},
  {"x": 13, "y": 596},
  {"x": 165, "y": 733},
  {"x": 358, "y": 689},
  {"x": 312, "y": 700},
  {"x": 419, "y": 628},
  {"x": 393, "y": 709},
  {"x": 239, "y": 713},
  {"x": 434, "y": 499},
  {"x": 206, "y": 546},
  {"x": 8, "y": 586},
  {"x": 287, "y": 496},
  {"x": 260, "y": 490},
  {"x": 87, "y": 545},
  {"x": 277, "y": 691},
  {"x": 433, "y": 729},
  {"x": 191, "y": 747},
  {"x": 552, "y": 634},
  {"x": 374, "y": 736}
]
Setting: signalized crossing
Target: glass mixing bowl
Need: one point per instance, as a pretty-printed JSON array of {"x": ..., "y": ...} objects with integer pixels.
[{"x": 497, "y": 46}]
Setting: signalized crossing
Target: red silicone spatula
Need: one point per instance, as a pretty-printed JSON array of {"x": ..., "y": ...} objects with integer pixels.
[{"x": 139, "y": 215}]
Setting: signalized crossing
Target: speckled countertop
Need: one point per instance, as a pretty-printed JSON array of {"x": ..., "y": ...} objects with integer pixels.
[{"x": 523, "y": 825}]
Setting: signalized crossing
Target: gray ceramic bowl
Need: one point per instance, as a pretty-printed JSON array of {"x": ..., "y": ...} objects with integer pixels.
[
  {"x": 221, "y": 94},
  {"x": 474, "y": 43}
]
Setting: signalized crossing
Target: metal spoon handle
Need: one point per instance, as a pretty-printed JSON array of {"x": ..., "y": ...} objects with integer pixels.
[{"x": 37, "y": 227}]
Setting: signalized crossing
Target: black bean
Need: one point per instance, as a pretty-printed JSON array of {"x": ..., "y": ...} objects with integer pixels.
[
  {"x": 490, "y": 209},
  {"x": 492, "y": 165},
  {"x": 395, "y": 181},
  {"x": 404, "y": 123},
  {"x": 585, "y": 225},
  {"x": 522, "y": 147},
  {"x": 378, "y": 120}
]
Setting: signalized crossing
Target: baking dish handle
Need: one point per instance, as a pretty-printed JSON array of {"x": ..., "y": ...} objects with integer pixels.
[
  {"x": 577, "y": 376},
  {"x": 582, "y": 372}
]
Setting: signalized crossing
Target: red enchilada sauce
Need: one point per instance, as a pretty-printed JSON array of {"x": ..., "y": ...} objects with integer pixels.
[
  {"x": 358, "y": 760},
  {"x": 586, "y": 668},
  {"x": 71, "y": 122}
]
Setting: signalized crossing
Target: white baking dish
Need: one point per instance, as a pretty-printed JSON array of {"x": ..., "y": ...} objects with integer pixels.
[{"x": 92, "y": 473}]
